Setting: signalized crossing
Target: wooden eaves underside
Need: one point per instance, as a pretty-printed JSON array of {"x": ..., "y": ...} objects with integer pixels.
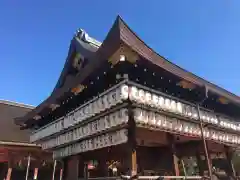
[{"x": 119, "y": 34}]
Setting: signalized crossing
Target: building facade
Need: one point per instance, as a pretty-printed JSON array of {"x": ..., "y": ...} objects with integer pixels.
[
  {"x": 17, "y": 154},
  {"x": 119, "y": 108}
]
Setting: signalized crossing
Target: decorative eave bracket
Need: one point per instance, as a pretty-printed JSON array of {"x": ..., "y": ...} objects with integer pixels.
[{"x": 124, "y": 53}]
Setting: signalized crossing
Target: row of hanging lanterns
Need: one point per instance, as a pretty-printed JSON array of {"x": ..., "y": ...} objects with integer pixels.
[
  {"x": 105, "y": 140},
  {"x": 104, "y": 123},
  {"x": 95, "y": 106},
  {"x": 138, "y": 95},
  {"x": 168, "y": 104},
  {"x": 161, "y": 122}
]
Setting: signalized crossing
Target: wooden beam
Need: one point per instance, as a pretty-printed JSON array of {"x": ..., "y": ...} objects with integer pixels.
[
  {"x": 187, "y": 148},
  {"x": 21, "y": 148}
]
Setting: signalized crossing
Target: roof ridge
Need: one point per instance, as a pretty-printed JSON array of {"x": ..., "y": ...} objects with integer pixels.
[
  {"x": 17, "y": 104},
  {"x": 11, "y": 143}
]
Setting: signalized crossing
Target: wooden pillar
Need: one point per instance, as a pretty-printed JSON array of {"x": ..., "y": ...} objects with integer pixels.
[
  {"x": 54, "y": 169},
  {"x": 61, "y": 174},
  {"x": 103, "y": 169},
  {"x": 60, "y": 167},
  {"x": 72, "y": 168},
  {"x": 37, "y": 165},
  {"x": 229, "y": 156},
  {"x": 80, "y": 167},
  {"x": 184, "y": 168},
  {"x": 86, "y": 174},
  {"x": 133, "y": 162},
  {"x": 132, "y": 143},
  {"x": 173, "y": 151},
  {"x": 10, "y": 166},
  {"x": 28, "y": 166}
]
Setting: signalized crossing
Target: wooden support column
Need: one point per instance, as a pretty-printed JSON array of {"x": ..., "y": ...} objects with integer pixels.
[
  {"x": 54, "y": 169},
  {"x": 133, "y": 171},
  {"x": 175, "y": 158},
  {"x": 72, "y": 168},
  {"x": 80, "y": 167},
  {"x": 133, "y": 162},
  {"x": 229, "y": 156},
  {"x": 37, "y": 165},
  {"x": 207, "y": 156},
  {"x": 28, "y": 166},
  {"x": 103, "y": 169},
  {"x": 61, "y": 169},
  {"x": 86, "y": 174},
  {"x": 10, "y": 166}
]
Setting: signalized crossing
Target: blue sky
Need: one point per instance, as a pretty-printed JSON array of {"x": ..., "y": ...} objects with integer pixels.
[{"x": 200, "y": 36}]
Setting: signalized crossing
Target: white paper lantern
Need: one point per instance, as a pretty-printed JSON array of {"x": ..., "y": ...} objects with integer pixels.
[
  {"x": 161, "y": 102},
  {"x": 179, "y": 108},
  {"x": 152, "y": 118},
  {"x": 154, "y": 100},
  {"x": 167, "y": 104},
  {"x": 112, "y": 118},
  {"x": 90, "y": 109},
  {"x": 123, "y": 116},
  {"x": 134, "y": 96},
  {"x": 173, "y": 106},
  {"x": 148, "y": 98},
  {"x": 194, "y": 113},
  {"x": 138, "y": 113},
  {"x": 189, "y": 111},
  {"x": 145, "y": 117},
  {"x": 141, "y": 93},
  {"x": 124, "y": 92},
  {"x": 179, "y": 127}
]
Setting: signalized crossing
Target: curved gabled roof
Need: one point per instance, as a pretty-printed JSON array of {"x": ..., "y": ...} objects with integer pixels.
[
  {"x": 78, "y": 45},
  {"x": 105, "y": 50},
  {"x": 120, "y": 32},
  {"x": 132, "y": 40}
]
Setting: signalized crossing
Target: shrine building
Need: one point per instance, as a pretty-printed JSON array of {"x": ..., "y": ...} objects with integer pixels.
[{"x": 121, "y": 109}]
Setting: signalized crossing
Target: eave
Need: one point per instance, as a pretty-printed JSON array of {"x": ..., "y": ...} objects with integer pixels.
[{"x": 21, "y": 105}]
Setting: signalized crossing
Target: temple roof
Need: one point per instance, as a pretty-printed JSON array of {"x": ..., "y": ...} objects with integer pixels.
[
  {"x": 79, "y": 44},
  {"x": 95, "y": 55}
]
